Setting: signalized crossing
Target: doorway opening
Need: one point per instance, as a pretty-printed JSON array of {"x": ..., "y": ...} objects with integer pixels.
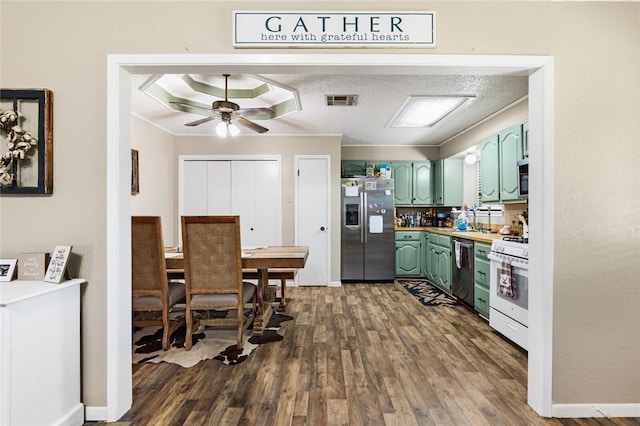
[{"x": 122, "y": 67}]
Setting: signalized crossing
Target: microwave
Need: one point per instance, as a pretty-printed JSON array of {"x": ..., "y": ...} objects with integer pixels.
[{"x": 523, "y": 179}]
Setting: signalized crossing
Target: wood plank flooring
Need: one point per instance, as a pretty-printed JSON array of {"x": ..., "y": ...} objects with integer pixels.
[{"x": 360, "y": 354}]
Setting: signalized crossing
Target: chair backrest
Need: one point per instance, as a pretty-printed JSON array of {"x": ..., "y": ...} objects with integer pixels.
[
  {"x": 212, "y": 254},
  {"x": 148, "y": 266}
]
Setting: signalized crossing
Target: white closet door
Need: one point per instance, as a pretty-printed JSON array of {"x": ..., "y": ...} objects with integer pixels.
[
  {"x": 218, "y": 187},
  {"x": 266, "y": 198},
  {"x": 242, "y": 199},
  {"x": 194, "y": 188}
]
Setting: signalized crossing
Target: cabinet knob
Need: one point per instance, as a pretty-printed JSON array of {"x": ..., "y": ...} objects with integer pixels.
[{"x": 322, "y": 228}]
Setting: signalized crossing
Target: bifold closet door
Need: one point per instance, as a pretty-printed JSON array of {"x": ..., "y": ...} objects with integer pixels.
[
  {"x": 254, "y": 196},
  {"x": 248, "y": 188}
]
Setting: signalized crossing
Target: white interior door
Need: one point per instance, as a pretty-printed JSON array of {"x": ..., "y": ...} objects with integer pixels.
[{"x": 312, "y": 218}]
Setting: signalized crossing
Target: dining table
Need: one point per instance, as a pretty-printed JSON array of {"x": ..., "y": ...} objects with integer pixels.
[{"x": 260, "y": 259}]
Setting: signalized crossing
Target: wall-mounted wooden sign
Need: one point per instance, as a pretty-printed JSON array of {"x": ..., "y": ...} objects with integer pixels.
[{"x": 333, "y": 29}]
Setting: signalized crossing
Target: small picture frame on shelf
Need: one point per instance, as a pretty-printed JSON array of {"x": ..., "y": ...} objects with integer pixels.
[
  {"x": 7, "y": 269},
  {"x": 57, "y": 264},
  {"x": 32, "y": 266}
]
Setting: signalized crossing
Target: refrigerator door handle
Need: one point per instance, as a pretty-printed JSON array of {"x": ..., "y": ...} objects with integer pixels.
[
  {"x": 366, "y": 217},
  {"x": 361, "y": 217}
]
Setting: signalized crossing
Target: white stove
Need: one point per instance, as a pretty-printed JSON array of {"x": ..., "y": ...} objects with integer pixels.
[{"x": 509, "y": 289}]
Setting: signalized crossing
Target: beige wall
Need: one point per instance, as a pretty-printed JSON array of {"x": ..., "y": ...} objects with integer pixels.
[
  {"x": 158, "y": 168},
  {"x": 597, "y": 104}
]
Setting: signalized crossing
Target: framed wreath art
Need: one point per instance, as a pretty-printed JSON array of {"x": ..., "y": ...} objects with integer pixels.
[{"x": 26, "y": 121}]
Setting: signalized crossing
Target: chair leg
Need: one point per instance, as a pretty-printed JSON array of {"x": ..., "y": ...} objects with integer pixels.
[
  {"x": 166, "y": 330},
  {"x": 187, "y": 338},
  {"x": 239, "y": 343}
]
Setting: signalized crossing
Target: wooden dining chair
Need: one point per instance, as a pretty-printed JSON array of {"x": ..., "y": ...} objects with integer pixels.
[
  {"x": 213, "y": 275},
  {"x": 153, "y": 295}
]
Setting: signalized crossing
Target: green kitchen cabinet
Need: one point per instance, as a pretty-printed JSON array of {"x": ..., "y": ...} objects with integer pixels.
[
  {"x": 499, "y": 155},
  {"x": 439, "y": 259},
  {"x": 412, "y": 183},
  {"x": 402, "y": 173},
  {"x": 510, "y": 144},
  {"x": 448, "y": 182},
  {"x": 408, "y": 246},
  {"x": 490, "y": 170},
  {"x": 351, "y": 168},
  {"x": 481, "y": 271},
  {"x": 422, "y": 186},
  {"x": 525, "y": 140},
  {"x": 425, "y": 254}
]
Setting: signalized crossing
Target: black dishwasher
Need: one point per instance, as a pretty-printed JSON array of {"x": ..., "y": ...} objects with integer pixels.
[{"x": 462, "y": 277}]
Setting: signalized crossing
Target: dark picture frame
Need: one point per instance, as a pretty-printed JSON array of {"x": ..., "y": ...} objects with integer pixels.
[
  {"x": 32, "y": 175},
  {"x": 135, "y": 175}
]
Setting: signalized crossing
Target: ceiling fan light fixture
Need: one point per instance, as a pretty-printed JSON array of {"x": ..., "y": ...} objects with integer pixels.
[
  {"x": 425, "y": 111},
  {"x": 224, "y": 129}
]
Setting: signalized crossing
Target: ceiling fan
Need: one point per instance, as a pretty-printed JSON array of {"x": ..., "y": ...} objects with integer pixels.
[{"x": 229, "y": 113}]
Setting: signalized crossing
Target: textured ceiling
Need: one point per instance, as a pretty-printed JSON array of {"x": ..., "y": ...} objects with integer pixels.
[{"x": 379, "y": 98}]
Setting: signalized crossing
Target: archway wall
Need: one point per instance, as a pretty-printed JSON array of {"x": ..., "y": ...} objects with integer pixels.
[{"x": 596, "y": 47}]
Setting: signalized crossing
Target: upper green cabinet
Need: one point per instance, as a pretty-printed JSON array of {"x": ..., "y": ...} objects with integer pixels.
[
  {"x": 412, "y": 182},
  {"x": 448, "y": 182},
  {"x": 498, "y": 166}
]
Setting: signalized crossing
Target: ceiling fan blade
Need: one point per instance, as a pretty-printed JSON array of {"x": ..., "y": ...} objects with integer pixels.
[
  {"x": 265, "y": 113},
  {"x": 251, "y": 125},
  {"x": 201, "y": 121},
  {"x": 189, "y": 105}
]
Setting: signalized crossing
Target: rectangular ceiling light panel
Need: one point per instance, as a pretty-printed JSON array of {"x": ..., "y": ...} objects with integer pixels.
[{"x": 425, "y": 111}]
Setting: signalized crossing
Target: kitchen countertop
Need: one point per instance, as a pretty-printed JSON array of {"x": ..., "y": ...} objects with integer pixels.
[{"x": 469, "y": 235}]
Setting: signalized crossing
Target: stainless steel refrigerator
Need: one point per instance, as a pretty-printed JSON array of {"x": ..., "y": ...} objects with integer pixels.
[{"x": 367, "y": 233}]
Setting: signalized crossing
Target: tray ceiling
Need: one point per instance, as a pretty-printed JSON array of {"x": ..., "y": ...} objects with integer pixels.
[{"x": 364, "y": 122}]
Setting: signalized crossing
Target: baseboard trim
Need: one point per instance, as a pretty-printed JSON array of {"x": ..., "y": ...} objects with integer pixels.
[
  {"x": 334, "y": 284},
  {"x": 95, "y": 414},
  {"x": 595, "y": 410},
  {"x": 74, "y": 417}
]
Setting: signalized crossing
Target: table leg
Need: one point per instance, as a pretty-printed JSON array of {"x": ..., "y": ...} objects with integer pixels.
[
  {"x": 283, "y": 303},
  {"x": 264, "y": 308}
]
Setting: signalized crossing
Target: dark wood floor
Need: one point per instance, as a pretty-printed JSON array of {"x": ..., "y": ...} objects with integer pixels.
[{"x": 360, "y": 354}]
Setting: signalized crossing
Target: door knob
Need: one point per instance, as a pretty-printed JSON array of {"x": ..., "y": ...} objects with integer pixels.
[{"x": 322, "y": 228}]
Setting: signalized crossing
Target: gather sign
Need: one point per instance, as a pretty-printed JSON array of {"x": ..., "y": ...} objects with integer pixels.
[{"x": 333, "y": 29}]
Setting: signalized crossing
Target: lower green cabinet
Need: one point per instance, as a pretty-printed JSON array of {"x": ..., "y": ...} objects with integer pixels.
[
  {"x": 481, "y": 267},
  {"x": 408, "y": 253},
  {"x": 439, "y": 260},
  {"x": 481, "y": 301}
]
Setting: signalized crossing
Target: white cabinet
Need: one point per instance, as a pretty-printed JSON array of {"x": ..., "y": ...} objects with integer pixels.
[
  {"x": 248, "y": 188},
  {"x": 40, "y": 353}
]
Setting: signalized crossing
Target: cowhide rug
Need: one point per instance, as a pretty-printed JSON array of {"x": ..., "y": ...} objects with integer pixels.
[
  {"x": 208, "y": 343},
  {"x": 427, "y": 293}
]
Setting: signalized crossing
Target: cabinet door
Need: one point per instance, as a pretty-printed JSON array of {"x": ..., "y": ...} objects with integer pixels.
[
  {"x": 401, "y": 171},
  {"x": 525, "y": 140},
  {"x": 351, "y": 168},
  {"x": 422, "y": 185},
  {"x": 408, "y": 254},
  {"x": 438, "y": 183},
  {"x": 432, "y": 256},
  {"x": 490, "y": 169},
  {"x": 510, "y": 145},
  {"x": 425, "y": 255},
  {"x": 481, "y": 301},
  {"x": 452, "y": 181},
  {"x": 444, "y": 269}
]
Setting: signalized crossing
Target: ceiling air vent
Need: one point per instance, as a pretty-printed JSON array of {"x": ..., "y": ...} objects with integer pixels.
[{"x": 341, "y": 100}]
